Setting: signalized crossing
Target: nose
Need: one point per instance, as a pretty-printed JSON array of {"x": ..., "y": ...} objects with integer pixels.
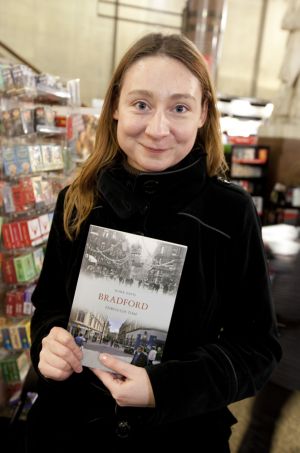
[{"x": 158, "y": 125}]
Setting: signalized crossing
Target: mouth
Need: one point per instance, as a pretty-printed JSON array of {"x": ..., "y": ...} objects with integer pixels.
[{"x": 155, "y": 149}]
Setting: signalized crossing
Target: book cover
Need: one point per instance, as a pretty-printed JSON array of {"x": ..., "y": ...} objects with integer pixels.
[{"x": 125, "y": 296}]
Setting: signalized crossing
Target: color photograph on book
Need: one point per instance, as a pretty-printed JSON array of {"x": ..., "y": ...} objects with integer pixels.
[{"x": 125, "y": 296}]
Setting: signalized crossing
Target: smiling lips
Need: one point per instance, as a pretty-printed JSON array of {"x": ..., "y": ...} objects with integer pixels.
[{"x": 155, "y": 150}]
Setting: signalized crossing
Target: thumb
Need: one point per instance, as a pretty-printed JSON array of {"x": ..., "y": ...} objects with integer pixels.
[{"x": 116, "y": 365}]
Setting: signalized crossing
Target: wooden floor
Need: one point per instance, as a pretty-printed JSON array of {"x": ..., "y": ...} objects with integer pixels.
[{"x": 287, "y": 438}]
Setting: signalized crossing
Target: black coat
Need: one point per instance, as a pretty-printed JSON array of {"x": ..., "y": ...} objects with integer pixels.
[
  {"x": 222, "y": 344},
  {"x": 139, "y": 359}
]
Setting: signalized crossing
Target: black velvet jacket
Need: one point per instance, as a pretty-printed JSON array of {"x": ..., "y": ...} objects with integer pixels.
[{"x": 222, "y": 344}]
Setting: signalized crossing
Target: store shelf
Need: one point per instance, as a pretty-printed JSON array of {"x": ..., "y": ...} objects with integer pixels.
[
  {"x": 34, "y": 168},
  {"x": 248, "y": 167},
  {"x": 50, "y": 94},
  {"x": 51, "y": 130}
]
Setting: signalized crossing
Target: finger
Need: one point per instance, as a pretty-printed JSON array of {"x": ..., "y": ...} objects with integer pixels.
[
  {"x": 59, "y": 362},
  {"x": 60, "y": 348},
  {"x": 50, "y": 372},
  {"x": 52, "y": 349},
  {"x": 64, "y": 337}
]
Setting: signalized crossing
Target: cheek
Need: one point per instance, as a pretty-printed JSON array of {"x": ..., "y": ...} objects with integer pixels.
[
  {"x": 130, "y": 127},
  {"x": 187, "y": 134}
]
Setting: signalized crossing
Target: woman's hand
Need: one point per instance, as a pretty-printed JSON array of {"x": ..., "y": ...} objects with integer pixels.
[
  {"x": 60, "y": 356},
  {"x": 129, "y": 385}
]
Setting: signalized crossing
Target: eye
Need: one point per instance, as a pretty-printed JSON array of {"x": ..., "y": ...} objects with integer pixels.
[
  {"x": 141, "y": 105},
  {"x": 180, "y": 108}
]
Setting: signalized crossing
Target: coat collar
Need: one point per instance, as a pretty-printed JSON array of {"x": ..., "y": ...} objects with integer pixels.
[{"x": 127, "y": 193}]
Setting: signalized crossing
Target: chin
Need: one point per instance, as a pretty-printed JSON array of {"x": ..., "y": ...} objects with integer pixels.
[{"x": 155, "y": 166}]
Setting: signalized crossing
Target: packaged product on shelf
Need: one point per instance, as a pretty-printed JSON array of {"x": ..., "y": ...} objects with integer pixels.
[
  {"x": 44, "y": 116},
  {"x": 31, "y": 232},
  {"x": 38, "y": 258},
  {"x": 8, "y": 81},
  {"x": 248, "y": 171},
  {"x": 14, "y": 366},
  {"x": 18, "y": 302},
  {"x": 14, "y": 337},
  {"x": 36, "y": 158},
  {"x": 46, "y": 156},
  {"x": 7, "y": 123},
  {"x": 24, "y": 80},
  {"x": 14, "y": 303},
  {"x": 6, "y": 236},
  {"x": 23, "y": 160},
  {"x": 5, "y": 338},
  {"x": 37, "y": 189},
  {"x": 10, "y": 164},
  {"x": 24, "y": 333},
  {"x": 28, "y": 197},
  {"x": 25, "y": 268},
  {"x": 8, "y": 270},
  {"x": 22, "y": 121},
  {"x": 27, "y": 303},
  {"x": 44, "y": 221},
  {"x": 57, "y": 162}
]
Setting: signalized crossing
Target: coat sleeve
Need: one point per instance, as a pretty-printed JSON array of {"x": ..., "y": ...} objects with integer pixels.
[
  {"x": 240, "y": 360},
  {"x": 49, "y": 298}
]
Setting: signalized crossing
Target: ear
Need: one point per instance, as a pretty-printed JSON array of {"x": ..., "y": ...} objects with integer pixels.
[
  {"x": 203, "y": 115},
  {"x": 116, "y": 114}
]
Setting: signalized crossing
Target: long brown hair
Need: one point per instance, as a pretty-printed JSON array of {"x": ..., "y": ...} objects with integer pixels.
[{"x": 82, "y": 192}]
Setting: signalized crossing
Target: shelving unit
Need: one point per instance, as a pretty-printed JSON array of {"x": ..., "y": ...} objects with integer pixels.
[
  {"x": 247, "y": 160},
  {"x": 248, "y": 168},
  {"x": 35, "y": 164}
]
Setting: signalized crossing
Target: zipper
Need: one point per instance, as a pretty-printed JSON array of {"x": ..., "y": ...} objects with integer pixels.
[{"x": 205, "y": 224}]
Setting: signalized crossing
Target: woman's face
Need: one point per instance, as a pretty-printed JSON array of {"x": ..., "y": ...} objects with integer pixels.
[{"x": 159, "y": 113}]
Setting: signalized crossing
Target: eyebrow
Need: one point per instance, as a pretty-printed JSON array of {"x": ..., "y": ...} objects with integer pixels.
[{"x": 150, "y": 94}]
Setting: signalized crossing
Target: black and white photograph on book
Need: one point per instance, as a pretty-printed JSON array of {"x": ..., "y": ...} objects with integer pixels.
[{"x": 125, "y": 294}]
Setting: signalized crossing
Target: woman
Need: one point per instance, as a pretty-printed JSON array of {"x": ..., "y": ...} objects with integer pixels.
[{"x": 155, "y": 171}]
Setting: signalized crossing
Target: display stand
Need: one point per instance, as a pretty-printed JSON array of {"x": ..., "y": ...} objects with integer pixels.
[{"x": 36, "y": 163}]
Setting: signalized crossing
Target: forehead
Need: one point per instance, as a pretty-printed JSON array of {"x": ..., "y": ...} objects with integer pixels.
[{"x": 160, "y": 71}]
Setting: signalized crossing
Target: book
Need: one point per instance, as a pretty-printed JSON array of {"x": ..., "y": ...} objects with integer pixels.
[{"x": 125, "y": 295}]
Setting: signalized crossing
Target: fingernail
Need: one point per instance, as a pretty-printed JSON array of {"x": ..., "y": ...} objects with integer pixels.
[{"x": 103, "y": 357}]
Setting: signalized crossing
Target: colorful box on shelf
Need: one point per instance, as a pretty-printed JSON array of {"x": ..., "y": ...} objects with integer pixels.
[
  {"x": 20, "y": 269},
  {"x": 14, "y": 303},
  {"x": 14, "y": 366},
  {"x": 8, "y": 270},
  {"x": 38, "y": 258},
  {"x": 16, "y": 335},
  {"x": 26, "y": 233},
  {"x": 25, "y": 268},
  {"x": 18, "y": 302},
  {"x": 250, "y": 154}
]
